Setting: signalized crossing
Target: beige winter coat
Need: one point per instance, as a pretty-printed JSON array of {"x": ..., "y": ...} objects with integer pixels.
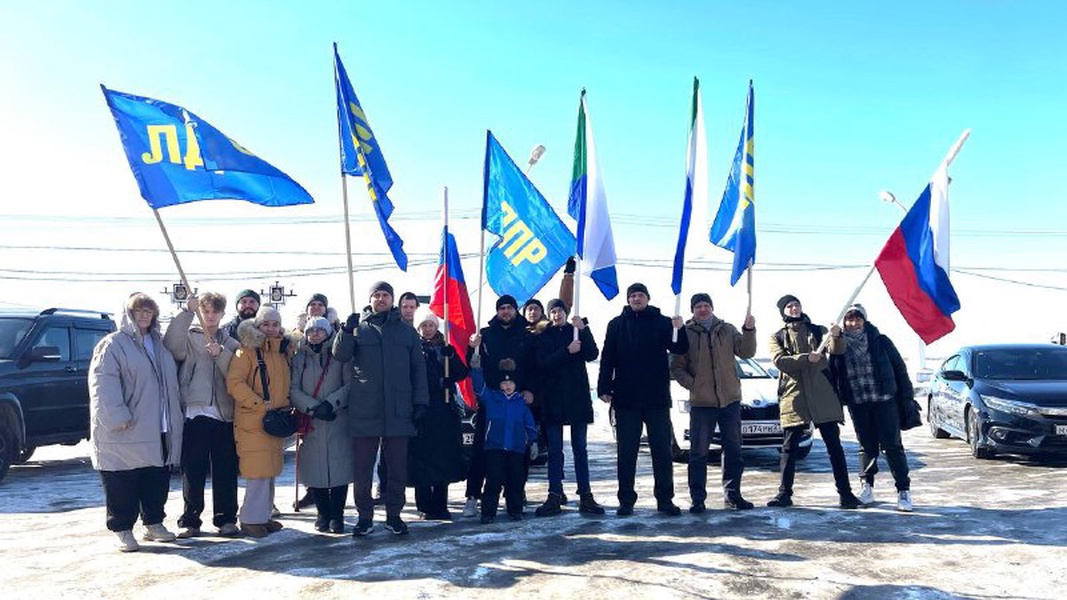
[
  {"x": 326, "y": 458},
  {"x": 259, "y": 454},
  {"x": 805, "y": 394},
  {"x": 708, "y": 370},
  {"x": 201, "y": 378},
  {"x": 127, "y": 387}
]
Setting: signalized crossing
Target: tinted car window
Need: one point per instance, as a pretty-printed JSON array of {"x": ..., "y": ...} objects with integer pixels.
[
  {"x": 1024, "y": 363},
  {"x": 952, "y": 364},
  {"x": 58, "y": 337},
  {"x": 750, "y": 369},
  {"x": 11, "y": 333},
  {"x": 84, "y": 342}
]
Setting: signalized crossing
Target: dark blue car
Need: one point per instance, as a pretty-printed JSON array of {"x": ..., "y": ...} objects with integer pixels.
[{"x": 1006, "y": 398}]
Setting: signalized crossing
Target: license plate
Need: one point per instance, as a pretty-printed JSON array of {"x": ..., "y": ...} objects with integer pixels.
[
  {"x": 760, "y": 428},
  {"x": 1061, "y": 430},
  {"x": 468, "y": 439}
]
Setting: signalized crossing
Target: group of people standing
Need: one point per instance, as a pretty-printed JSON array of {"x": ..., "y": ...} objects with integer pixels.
[{"x": 382, "y": 387}]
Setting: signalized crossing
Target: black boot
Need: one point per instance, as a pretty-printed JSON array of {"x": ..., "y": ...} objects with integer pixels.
[
  {"x": 781, "y": 500},
  {"x": 321, "y": 497},
  {"x": 850, "y": 501},
  {"x": 338, "y": 497},
  {"x": 587, "y": 505},
  {"x": 550, "y": 507}
]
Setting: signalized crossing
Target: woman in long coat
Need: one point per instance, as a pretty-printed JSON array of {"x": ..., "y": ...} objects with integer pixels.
[
  {"x": 135, "y": 422},
  {"x": 259, "y": 454},
  {"x": 435, "y": 454},
  {"x": 320, "y": 389}
]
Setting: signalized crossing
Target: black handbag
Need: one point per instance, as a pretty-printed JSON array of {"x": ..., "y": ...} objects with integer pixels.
[
  {"x": 278, "y": 422},
  {"x": 910, "y": 414}
]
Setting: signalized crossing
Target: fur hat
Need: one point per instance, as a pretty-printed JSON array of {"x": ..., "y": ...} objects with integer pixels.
[
  {"x": 318, "y": 298},
  {"x": 247, "y": 294},
  {"x": 786, "y": 299},
  {"x": 505, "y": 300},
  {"x": 556, "y": 303},
  {"x": 424, "y": 315},
  {"x": 857, "y": 308},
  {"x": 507, "y": 371},
  {"x": 637, "y": 287},
  {"x": 698, "y": 298},
  {"x": 319, "y": 323},
  {"x": 267, "y": 313},
  {"x": 380, "y": 286}
]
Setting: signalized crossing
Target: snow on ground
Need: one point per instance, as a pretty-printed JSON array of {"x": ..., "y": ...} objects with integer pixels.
[{"x": 980, "y": 529}]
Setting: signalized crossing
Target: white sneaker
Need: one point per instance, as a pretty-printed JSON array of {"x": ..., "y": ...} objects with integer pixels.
[
  {"x": 127, "y": 543},
  {"x": 470, "y": 509},
  {"x": 904, "y": 501},
  {"x": 866, "y": 492},
  {"x": 158, "y": 533}
]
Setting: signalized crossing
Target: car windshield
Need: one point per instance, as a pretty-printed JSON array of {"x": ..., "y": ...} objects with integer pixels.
[
  {"x": 11, "y": 333},
  {"x": 750, "y": 369},
  {"x": 1021, "y": 363}
]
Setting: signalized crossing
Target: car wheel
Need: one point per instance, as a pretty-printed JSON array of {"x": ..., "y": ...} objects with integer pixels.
[
  {"x": 8, "y": 445},
  {"x": 25, "y": 455},
  {"x": 803, "y": 452},
  {"x": 974, "y": 438},
  {"x": 935, "y": 431}
]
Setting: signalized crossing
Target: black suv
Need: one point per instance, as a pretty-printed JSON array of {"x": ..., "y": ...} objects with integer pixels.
[{"x": 44, "y": 378}]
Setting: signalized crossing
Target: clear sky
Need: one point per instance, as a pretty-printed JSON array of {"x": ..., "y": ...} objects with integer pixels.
[{"x": 851, "y": 98}]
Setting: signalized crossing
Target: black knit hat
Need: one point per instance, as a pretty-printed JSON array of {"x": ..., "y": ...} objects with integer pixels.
[
  {"x": 556, "y": 303},
  {"x": 247, "y": 294},
  {"x": 637, "y": 287},
  {"x": 533, "y": 301},
  {"x": 505, "y": 300},
  {"x": 786, "y": 299},
  {"x": 380, "y": 286},
  {"x": 698, "y": 298},
  {"x": 317, "y": 298}
]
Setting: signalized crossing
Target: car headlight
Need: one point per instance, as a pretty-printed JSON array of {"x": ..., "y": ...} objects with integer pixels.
[{"x": 1012, "y": 407}]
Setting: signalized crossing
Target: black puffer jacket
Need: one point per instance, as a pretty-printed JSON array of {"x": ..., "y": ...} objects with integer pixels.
[
  {"x": 564, "y": 394},
  {"x": 634, "y": 363},
  {"x": 889, "y": 369},
  {"x": 498, "y": 343}
]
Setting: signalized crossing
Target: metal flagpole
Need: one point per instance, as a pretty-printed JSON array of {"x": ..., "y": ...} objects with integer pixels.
[
  {"x": 446, "y": 246},
  {"x": 749, "y": 285},
  {"x": 677, "y": 313},
  {"x": 178, "y": 264},
  {"x": 577, "y": 293}
]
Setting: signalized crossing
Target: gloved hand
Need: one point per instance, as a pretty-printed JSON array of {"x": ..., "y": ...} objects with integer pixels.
[
  {"x": 324, "y": 412},
  {"x": 571, "y": 265},
  {"x": 448, "y": 351},
  {"x": 351, "y": 323},
  {"x": 418, "y": 413}
]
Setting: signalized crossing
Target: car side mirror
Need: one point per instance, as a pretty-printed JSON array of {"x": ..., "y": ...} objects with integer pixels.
[
  {"x": 44, "y": 354},
  {"x": 953, "y": 375}
]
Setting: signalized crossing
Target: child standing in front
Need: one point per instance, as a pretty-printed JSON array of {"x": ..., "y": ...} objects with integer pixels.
[{"x": 510, "y": 430}]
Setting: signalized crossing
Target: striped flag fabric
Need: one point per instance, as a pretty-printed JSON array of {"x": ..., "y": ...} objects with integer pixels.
[
  {"x": 734, "y": 227},
  {"x": 450, "y": 285},
  {"x": 588, "y": 205},
  {"x": 696, "y": 187}
]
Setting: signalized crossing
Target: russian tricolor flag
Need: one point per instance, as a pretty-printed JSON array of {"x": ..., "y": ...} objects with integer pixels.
[
  {"x": 450, "y": 287},
  {"x": 914, "y": 264}
]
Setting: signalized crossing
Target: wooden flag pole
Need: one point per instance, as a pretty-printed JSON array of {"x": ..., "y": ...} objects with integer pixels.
[
  {"x": 178, "y": 264},
  {"x": 348, "y": 243}
]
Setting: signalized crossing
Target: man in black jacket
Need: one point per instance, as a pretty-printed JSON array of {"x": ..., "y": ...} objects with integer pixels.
[
  {"x": 872, "y": 380},
  {"x": 505, "y": 337},
  {"x": 635, "y": 379}
]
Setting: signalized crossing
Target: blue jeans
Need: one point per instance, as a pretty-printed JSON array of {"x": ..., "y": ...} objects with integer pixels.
[
  {"x": 555, "y": 457},
  {"x": 702, "y": 421}
]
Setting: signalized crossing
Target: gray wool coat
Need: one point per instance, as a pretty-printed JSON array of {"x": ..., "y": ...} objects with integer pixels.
[
  {"x": 388, "y": 375},
  {"x": 127, "y": 387},
  {"x": 326, "y": 458}
]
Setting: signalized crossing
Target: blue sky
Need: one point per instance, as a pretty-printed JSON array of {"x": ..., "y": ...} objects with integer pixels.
[{"x": 851, "y": 98}]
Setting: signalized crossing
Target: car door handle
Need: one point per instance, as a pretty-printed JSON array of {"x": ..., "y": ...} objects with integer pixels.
[{"x": 70, "y": 369}]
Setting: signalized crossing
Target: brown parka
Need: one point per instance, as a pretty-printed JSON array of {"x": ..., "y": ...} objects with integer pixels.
[
  {"x": 805, "y": 394},
  {"x": 708, "y": 370}
]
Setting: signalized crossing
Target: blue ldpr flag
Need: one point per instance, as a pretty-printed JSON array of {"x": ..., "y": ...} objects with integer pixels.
[
  {"x": 734, "y": 227},
  {"x": 534, "y": 243},
  {"x": 177, "y": 157},
  {"x": 361, "y": 155}
]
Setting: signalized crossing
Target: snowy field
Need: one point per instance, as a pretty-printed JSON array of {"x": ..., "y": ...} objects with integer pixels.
[{"x": 981, "y": 529}]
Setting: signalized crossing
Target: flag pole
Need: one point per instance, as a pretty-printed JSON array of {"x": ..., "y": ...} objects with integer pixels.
[
  {"x": 481, "y": 279},
  {"x": 577, "y": 293},
  {"x": 749, "y": 286},
  {"x": 178, "y": 264},
  {"x": 677, "y": 313},
  {"x": 348, "y": 243},
  {"x": 445, "y": 249}
]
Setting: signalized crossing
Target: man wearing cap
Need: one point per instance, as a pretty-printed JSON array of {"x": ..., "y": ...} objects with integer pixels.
[
  {"x": 872, "y": 380},
  {"x": 247, "y": 306},
  {"x": 506, "y": 336},
  {"x": 635, "y": 379},
  {"x": 387, "y": 396},
  {"x": 806, "y": 396},
  {"x": 709, "y": 372}
]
